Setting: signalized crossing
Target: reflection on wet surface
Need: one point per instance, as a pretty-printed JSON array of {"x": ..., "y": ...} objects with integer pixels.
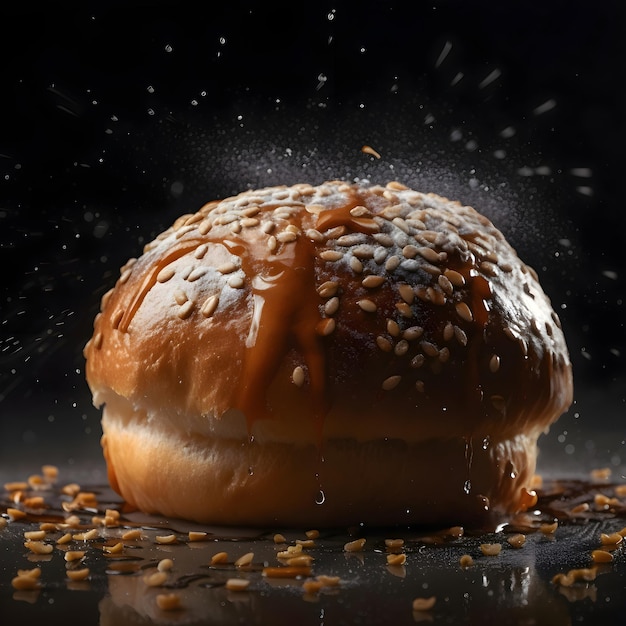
[{"x": 73, "y": 550}]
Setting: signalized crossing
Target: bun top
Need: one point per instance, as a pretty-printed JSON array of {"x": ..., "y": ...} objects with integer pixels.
[{"x": 341, "y": 310}]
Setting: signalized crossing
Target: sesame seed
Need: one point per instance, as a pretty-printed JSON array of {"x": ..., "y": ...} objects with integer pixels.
[
  {"x": 409, "y": 251},
  {"x": 226, "y": 218},
  {"x": 363, "y": 251},
  {"x": 429, "y": 348},
  {"x": 393, "y": 328},
  {"x": 402, "y": 347},
  {"x": 165, "y": 274},
  {"x": 367, "y": 305},
  {"x": 489, "y": 268},
  {"x": 432, "y": 256},
  {"x": 336, "y": 233},
  {"x": 235, "y": 227},
  {"x": 272, "y": 243},
  {"x": 404, "y": 309},
  {"x": 464, "y": 312},
  {"x": 413, "y": 332},
  {"x": 201, "y": 250},
  {"x": 396, "y": 186},
  {"x": 419, "y": 385},
  {"x": 328, "y": 289},
  {"x": 227, "y": 268},
  {"x": 268, "y": 227},
  {"x": 184, "y": 230},
  {"x": 325, "y": 326},
  {"x": 392, "y": 263},
  {"x": 384, "y": 344},
  {"x": 445, "y": 284},
  {"x": 297, "y": 376},
  {"x": 457, "y": 279},
  {"x": 97, "y": 341},
  {"x": 406, "y": 293},
  {"x": 433, "y": 270},
  {"x": 384, "y": 239},
  {"x": 331, "y": 306},
  {"x": 286, "y": 236},
  {"x": 444, "y": 355},
  {"x": 494, "y": 363},
  {"x": 422, "y": 293},
  {"x": 372, "y": 281},
  {"x": 249, "y": 222},
  {"x": 196, "y": 273},
  {"x": 117, "y": 318},
  {"x": 236, "y": 282},
  {"x": 436, "y": 296},
  {"x": 350, "y": 240},
  {"x": 185, "y": 310},
  {"x": 209, "y": 306},
  {"x": 391, "y": 383},
  {"x": 460, "y": 335},
  {"x": 356, "y": 265},
  {"x": 401, "y": 224},
  {"x": 125, "y": 276},
  {"x": 448, "y": 331},
  {"x": 204, "y": 227},
  {"x": 314, "y": 209},
  {"x": 331, "y": 255},
  {"x": 380, "y": 255},
  {"x": 314, "y": 235},
  {"x": 180, "y": 297},
  {"x": 359, "y": 211}
]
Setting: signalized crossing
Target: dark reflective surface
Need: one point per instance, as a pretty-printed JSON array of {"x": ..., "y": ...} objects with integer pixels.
[
  {"x": 516, "y": 586},
  {"x": 115, "y": 119}
]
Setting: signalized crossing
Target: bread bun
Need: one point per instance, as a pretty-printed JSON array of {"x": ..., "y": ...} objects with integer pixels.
[{"x": 327, "y": 355}]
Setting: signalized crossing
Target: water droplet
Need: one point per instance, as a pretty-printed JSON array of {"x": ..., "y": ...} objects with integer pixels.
[
  {"x": 486, "y": 442},
  {"x": 467, "y": 487},
  {"x": 321, "y": 497},
  {"x": 250, "y": 470}
]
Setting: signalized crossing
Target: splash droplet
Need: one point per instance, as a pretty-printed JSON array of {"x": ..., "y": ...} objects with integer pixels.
[{"x": 321, "y": 497}]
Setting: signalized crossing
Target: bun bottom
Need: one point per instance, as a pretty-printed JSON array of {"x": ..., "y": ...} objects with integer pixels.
[{"x": 378, "y": 483}]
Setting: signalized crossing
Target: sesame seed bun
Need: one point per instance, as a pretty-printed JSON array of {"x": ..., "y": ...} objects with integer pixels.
[{"x": 327, "y": 355}]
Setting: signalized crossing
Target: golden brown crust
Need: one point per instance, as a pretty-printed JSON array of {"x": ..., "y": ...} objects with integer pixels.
[{"x": 311, "y": 316}]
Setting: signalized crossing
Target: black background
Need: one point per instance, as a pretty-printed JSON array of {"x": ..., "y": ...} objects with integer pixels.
[{"x": 117, "y": 117}]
